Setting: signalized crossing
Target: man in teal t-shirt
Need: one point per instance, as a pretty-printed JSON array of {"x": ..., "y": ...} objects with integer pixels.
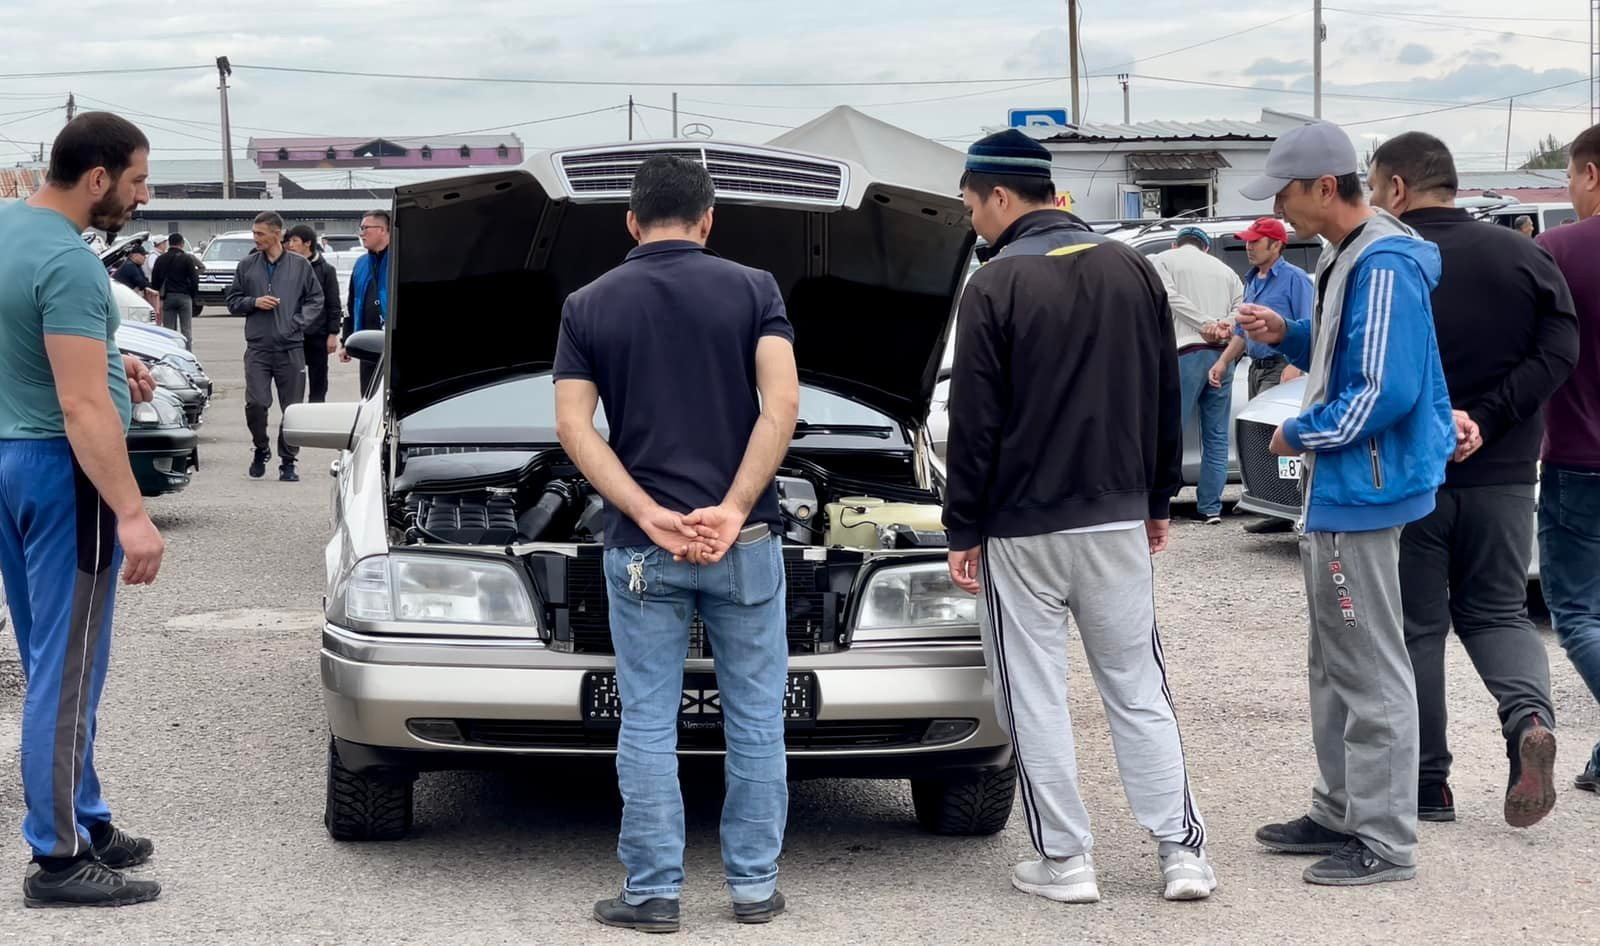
[{"x": 70, "y": 509}]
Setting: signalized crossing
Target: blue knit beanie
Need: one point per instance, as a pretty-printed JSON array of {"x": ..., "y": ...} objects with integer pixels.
[{"x": 1009, "y": 152}]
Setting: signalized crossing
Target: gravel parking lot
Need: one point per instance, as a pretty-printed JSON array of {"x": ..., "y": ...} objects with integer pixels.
[{"x": 211, "y": 741}]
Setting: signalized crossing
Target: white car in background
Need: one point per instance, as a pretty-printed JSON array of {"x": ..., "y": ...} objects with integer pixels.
[{"x": 221, "y": 258}]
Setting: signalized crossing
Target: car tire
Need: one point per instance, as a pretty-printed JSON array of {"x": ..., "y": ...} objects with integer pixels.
[
  {"x": 365, "y": 807},
  {"x": 971, "y": 806}
]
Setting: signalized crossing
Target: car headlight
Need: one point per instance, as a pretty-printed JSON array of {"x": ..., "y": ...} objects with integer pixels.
[
  {"x": 914, "y": 601},
  {"x": 437, "y": 589},
  {"x": 167, "y": 376},
  {"x": 158, "y": 412},
  {"x": 146, "y": 415}
]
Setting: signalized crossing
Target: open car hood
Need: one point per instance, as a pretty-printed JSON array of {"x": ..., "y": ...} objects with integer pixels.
[{"x": 869, "y": 255}]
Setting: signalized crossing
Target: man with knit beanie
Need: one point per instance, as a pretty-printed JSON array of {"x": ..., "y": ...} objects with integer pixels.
[{"x": 1054, "y": 508}]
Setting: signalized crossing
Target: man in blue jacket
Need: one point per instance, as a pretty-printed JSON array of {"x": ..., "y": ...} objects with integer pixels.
[
  {"x": 1374, "y": 437},
  {"x": 368, "y": 305}
]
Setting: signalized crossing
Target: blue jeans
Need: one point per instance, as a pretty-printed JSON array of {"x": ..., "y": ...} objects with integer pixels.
[
  {"x": 1569, "y": 568},
  {"x": 741, "y": 600},
  {"x": 1214, "y": 403}
]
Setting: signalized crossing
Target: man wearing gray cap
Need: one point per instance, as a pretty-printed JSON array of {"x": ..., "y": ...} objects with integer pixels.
[{"x": 1374, "y": 436}]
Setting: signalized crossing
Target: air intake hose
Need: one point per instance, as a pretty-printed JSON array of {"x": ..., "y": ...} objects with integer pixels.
[{"x": 531, "y": 525}]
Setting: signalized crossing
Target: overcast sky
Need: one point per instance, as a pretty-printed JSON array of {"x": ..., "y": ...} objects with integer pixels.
[{"x": 1431, "y": 54}]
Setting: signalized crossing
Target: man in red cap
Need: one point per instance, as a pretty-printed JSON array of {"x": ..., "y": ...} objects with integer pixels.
[{"x": 1277, "y": 284}]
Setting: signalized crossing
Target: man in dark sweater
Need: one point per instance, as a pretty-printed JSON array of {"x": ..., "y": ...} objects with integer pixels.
[
  {"x": 176, "y": 277},
  {"x": 321, "y": 340},
  {"x": 1508, "y": 338}
]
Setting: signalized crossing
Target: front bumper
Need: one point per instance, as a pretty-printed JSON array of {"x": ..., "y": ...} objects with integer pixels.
[
  {"x": 1265, "y": 492},
  {"x": 163, "y": 458},
  {"x": 373, "y": 687}
]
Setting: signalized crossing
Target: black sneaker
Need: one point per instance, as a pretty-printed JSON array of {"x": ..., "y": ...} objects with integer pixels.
[
  {"x": 762, "y": 912},
  {"x": 120, "y": 850},
  {"x": 652, "y": 916},
  {"x": 1436, "y": 803},
  {"x": 1302, "y": 836},
  {"x": 1268, "y": 526},
  {"x": 1589, "y": 779},
  {"x": 258, "y": 466},
  {"x": 1532, "y": 789},
  {"x": 287, "y": 474},
  {"x": 1354, "y": 866},
  {"x": 88, "y": 883}
]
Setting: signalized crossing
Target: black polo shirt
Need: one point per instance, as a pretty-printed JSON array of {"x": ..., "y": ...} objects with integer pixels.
[{"x": 669, "y": 338}]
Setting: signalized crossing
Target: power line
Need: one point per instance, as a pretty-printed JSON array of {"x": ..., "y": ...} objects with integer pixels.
[
  {"x": 657, "y": 83},
  {"x": 1356, "y": 96},
  {"x": 1453, "y": 26},
  {"x": 812, "y": 107},
  {"x": 719, "y": 118},
  {"x": 1206, "y": 42},
  {"x": 101, "y": 72},
  {"x": 1466, "y": 16},
  {"x": 1451, "y": 108},
  {"x": 42, "y": 111}
]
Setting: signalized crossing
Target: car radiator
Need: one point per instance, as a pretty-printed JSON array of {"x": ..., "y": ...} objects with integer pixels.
[{"x": 1258, "y": 466}]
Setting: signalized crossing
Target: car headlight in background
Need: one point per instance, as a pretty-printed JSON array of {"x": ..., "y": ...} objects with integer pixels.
[
  {"x": 160, "y": 411},
  {"x": 437, "y": 589},
  {"x": 916, "y": 601},
  {"x": 145, "y": 415},
  {"x": 167, "y": 376}
]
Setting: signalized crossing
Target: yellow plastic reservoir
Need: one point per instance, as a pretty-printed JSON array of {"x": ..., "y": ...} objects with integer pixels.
[{"x": 853, "y": 521}]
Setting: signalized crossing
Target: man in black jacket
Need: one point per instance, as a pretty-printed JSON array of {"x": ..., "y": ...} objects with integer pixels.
[
  {"x": 1508, "y": 338},
  {"x": 321, "y": 340},
  {"x": 1055, "y": 504},
  {"x": 176, "y": 276}
]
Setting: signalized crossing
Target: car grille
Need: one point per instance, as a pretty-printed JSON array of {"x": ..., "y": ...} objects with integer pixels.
[
  {"x": 733, "y": 172},
  {"x": 799, "y": 737},
  {"x": 1259, "y": 467},
  {"x": 811, "y": 623}
]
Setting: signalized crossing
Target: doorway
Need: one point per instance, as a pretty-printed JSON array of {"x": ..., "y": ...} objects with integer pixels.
[{"x": 1178, "y": 199}]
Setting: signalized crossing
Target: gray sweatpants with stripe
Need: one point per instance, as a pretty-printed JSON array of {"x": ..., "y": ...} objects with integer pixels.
[{"x": 1104, "y": 581}]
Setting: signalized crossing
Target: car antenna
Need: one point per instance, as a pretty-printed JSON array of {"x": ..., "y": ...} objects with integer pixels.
[{"x": 1167, "y": 221}]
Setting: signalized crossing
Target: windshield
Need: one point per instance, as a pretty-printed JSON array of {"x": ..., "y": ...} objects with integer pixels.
[
  {"x": 523, "y": 411},
  {"x": 228, "y": 251},
  {"x": 339, "y": 242}
]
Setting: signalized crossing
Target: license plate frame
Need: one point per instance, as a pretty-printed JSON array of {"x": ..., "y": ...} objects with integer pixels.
[
  {"x": 1289, "y": 468},
  {"x": 700, "y": 706}
]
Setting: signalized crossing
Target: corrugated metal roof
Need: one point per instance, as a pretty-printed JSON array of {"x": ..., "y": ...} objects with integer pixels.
[
  {"x": 1512, "y": 180},
  {"x": 327, "y": 179},
  {"x": 202, "y": 171},
  {"x": 1176, "y": 161},
  {"x": 250, "y": 207},
  {"x": 1271, "y": 124},
  {"x": 20, "y": 182},
  {"x": 438, "y": 144}
]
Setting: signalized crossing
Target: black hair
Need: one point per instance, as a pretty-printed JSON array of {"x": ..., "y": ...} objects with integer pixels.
[
  {"x": 94, "y": 140},
  {"x": 383, "y": 215},
  {"x": 1421, "y": 160},
  {"x": 670, "y": 189},
  {"x": 1030, "y": 188},
  {"x": 1349, "y": 187},
  {"x": 307, "y": 235},
  {"x": 175, "y": 240},
  {"x": 1585, "y": 149},
  {"x": 271, "y": 219}
]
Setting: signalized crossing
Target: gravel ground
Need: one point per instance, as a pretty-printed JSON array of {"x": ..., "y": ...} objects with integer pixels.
[{"x": 212, "y": 740}]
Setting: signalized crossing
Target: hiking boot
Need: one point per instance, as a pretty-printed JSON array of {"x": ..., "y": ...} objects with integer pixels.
[
  {"x": 1355, "y": 865},
  {"x": 258, "y": 466},
  {"x": 1065, "y": 881},
  {"x": 1302, "y": 836},
  {"x": 287, "y": 473},
  {"x": 120, "y": 850},
  {"x": 1187, "y": 875},
  {"x": 1589, "y": 779},
  {"x": 762, "y": 912},
  {"x": 1532, "y": 791},
  {"x": 659, "y": 915},
  {"x": 1436, "y": 803},
  {"x": 1268, "y": 526},
  {"x": 87, "y": 883}
]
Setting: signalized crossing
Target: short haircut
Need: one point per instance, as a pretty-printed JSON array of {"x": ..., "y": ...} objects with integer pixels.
[
  {"x": 137, "y": 250},
  {"x": 307, "y": 235},
  {"x": 1585, "y": 149},
  {"x": 383, "y": 215},
  {"x": 94, "y": 140},
  {"x": 1421, "y": 160},
  {"x": 1350, "y": 189},
  {"x": 1031, "y": 189},
  {"x": 270, "y": 219},
  {"x": 1522, "y": 221},
  {"x": 670, "y": 189},
  {"x": 175, "y": 240}
]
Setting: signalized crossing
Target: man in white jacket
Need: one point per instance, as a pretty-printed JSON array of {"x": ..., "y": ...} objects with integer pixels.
[{"x": 1204, "y": 293}]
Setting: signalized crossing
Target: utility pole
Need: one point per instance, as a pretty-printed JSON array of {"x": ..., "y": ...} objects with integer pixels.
[
  {"x": 1510, "y": 104},
  {"x": 224, "y": 70},
  {"x": 1318, "y": 34},
  {"x": 674, "y": 116},
  {"x": 630, "y": 118},
  {"x": 72, "y": 107},
  {"x": 1127, "y": 110},
  {"x": 1072, "y": 41}
]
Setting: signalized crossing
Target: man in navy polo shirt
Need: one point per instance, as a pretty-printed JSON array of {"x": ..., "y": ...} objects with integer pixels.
[{"x": 693, "y": 358}]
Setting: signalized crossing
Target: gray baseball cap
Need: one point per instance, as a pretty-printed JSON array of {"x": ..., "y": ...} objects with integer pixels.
[{"x": 1304, "y": 154}]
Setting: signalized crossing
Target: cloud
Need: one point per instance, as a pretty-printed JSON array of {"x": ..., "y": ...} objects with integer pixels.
[
  {"x": 1276, "y": 67},
  {"x": 1415, "y": 54},
  {"x": 694, "y": 44},
  {"x": 1269, "y": 84}
]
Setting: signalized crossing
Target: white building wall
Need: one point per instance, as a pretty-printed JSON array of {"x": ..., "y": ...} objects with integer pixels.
[{"x": 1090, "y": 173}]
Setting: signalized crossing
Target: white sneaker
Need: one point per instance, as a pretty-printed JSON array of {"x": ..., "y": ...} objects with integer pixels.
[
  {"x": 1188, "y": 875},
  {"x": 1065, "y": 881}
]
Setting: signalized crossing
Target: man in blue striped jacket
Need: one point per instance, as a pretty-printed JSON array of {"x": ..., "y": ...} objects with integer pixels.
[{"x": 1375, "y": 433}]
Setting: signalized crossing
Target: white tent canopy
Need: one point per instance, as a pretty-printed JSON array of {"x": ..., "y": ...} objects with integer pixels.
[{"x": 892, "y": 154}]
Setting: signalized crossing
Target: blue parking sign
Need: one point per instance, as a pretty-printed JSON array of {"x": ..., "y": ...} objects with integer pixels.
[{"x": 1037, "y": 117}]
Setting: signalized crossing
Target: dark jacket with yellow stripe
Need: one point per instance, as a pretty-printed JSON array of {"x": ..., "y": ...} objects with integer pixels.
[{"x": 1064, "y": 398}]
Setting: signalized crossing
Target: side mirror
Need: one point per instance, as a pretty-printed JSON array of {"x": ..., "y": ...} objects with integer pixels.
[
  {"x": 366, "y": 345},
  {"x": 326, "y": 426}
]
